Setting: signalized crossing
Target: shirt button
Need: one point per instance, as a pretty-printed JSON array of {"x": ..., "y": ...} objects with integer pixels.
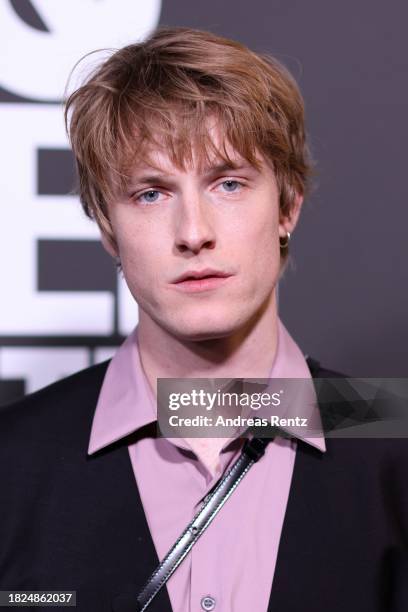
[{"x": 208, "y": 603}]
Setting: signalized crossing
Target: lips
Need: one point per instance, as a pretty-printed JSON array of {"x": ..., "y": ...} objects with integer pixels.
[
  {"x": 201, "y": 281},
  {"x": 192, "y": 275}
]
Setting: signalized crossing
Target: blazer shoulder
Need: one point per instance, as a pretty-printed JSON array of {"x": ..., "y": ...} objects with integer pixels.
[
  {"x": 343, "y": 406},
  {"x": 59, "y": 401},
  {"x": 319, "y": 371}
]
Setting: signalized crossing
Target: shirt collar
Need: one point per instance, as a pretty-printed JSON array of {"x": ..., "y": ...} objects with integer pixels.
[
  {"x": 290, "y": 363},
  {"x": 126, "y": 402}
]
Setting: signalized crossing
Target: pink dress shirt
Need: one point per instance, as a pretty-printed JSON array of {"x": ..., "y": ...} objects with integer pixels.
[{"x": 231, "y": 567}]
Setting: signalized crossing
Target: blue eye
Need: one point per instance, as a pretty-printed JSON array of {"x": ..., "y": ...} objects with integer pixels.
[
  {"x": 149, "y": 196},
  {"x": 231, "y": 185}
]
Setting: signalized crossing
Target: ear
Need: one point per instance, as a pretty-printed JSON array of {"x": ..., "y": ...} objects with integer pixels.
[
  {"x": 288, "y": 223},
  {"x": 108, "y": 245}
]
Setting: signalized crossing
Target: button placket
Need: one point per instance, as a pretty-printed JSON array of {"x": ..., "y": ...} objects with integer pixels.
[{"x": 205, "y": 573}]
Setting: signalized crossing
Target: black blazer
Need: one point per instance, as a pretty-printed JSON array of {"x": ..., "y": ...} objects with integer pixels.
[{"x": 73, "y": 522}]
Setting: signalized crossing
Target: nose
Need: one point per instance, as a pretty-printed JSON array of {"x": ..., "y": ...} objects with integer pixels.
[{"x": 194, "y": 225}]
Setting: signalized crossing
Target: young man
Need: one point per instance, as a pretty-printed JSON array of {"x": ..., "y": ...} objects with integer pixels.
[{"x": 192, "y": 159}]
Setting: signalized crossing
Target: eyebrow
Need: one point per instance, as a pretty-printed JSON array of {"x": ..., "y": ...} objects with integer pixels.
[
  {"x": 150, "y": 179},
  {"x": 153, "y": 179},
  {"x": 225, "y": 166}
]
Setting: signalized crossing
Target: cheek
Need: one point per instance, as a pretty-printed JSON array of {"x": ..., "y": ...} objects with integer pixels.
[
  {"x": 140, "y": 258},
  {"x": 260, "y": 241},
  {"x": 266, "y": 261}
]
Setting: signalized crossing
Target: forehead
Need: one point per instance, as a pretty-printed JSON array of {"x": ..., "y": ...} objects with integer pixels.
[
  {"x": 198, "y": 156},
  {"x": 160, "y": 161}
]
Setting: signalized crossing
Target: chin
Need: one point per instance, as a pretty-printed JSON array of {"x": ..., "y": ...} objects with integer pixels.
[
  {"x": 206, "y": 327},
  {"x": 200, "y": 335}
]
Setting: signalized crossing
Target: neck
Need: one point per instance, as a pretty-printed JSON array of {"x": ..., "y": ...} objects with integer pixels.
[{"x": 248, "y": 353}]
